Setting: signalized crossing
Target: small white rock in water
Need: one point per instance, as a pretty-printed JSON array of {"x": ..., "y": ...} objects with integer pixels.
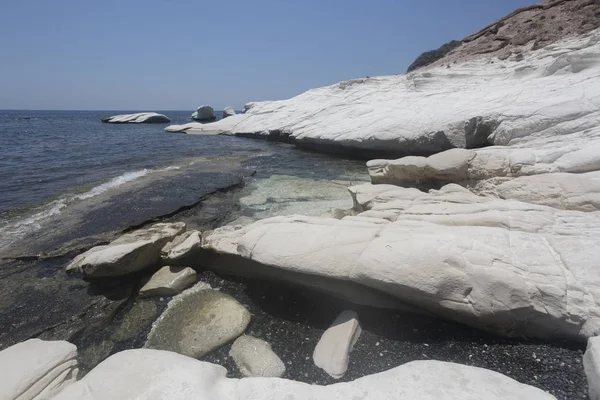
[
  {"x": 181, "y": 247},
  {"x": 228, "y": 112},
  {"x": 255, "y": 357},
  {"x": 139, "y": 118},
  {"x": 168, "y": 281},
  {"x": 333, "y": 350},
  {"x": 198, "y": 321},
  {"x": 591, "y": 365}
]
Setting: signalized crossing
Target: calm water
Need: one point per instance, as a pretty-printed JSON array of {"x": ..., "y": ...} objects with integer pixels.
[{"x": 55, "y": 158}]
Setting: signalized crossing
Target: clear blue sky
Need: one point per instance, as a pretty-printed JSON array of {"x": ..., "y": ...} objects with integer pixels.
[{"x": 178, "y": 54}]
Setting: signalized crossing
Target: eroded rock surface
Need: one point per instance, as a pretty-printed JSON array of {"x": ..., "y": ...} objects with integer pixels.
[
  {"x": 183, "y": 246},
  {"x": 255, "y": 357},
  {"x": 168, "y": 281},
  {"x": 204, "y": 113}
]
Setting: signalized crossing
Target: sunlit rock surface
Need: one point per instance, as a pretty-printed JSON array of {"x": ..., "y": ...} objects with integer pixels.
[{"x": 139, "y": 118}]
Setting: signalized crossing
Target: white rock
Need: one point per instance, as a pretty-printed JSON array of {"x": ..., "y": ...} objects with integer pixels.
[
  {"x": 501, "y": 265},
  {"x": 37, "y": 369},
  {"x": 151, "y": 374},
  {"x": 591, "y": 365},
  {"x": 552, "y": 95},
  {"x": 129, "y": 253},
  {"x": 139, "y": 118},
  {"x": 255, "y": 357},
  {"x": 228, "y": 112},
  {"x": 198, "y": 321},
  {"x": 168, "y": 281},
  {"x": 204, "y": 113},
  {"x": 183, "y": 246},
  {"x": 333, "y": 350}
]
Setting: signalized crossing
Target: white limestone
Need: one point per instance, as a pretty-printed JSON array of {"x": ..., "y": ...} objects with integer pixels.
[
  {"x": 228, "y": 112},
  {"x": 152, "y": 374},
  {"x": 182, "y": 247},
  {"x": 168, "y": 281},
  {"x": 37, "y": 369},
  {"x": 204, "y": 113},
  {"x": 505, "y": 266},
  {"x": 139, "y": 118},
  {"x": 332, "y": 353},
  {"x": 255, "y": 357},
  {"x": 591, "y": 365},
  {"x": 129, "y": 253},
  {"x": 552, "y": 95}
]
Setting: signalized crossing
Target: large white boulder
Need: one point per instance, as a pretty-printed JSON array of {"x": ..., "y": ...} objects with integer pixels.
[
  {"x": 129, "y": 253},
  {"x": 505, "y": 266},
  {"x": 37, "y": 369},
  {"x": 551, "y": 94},
  {"x": 204, "y": 113},
  {"x": 591, "y": 365},
  {"x": 152, "y": 374},
  {"x": 182, "y": 247},
  {"x": 139, "y": 118}
]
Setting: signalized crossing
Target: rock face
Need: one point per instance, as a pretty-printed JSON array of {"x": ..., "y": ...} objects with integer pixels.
[
  {"x": 550, "y": 97},
  {"x": 182, "y": 247},
  {"x": 429, "y": 57},
  {"x": 204, "y": 113},
  {"x": 129, "y": 253},
  {"x": 198, "y": 321},
  {"x": 140, "y": 118},
  {"x": 254, "y": 357},
  {"x": 333, "y": 350},
  {"x": 36, "y": 369},
  {"x": 168, "y": 281},
  {"x": 505, "y": 266},
  {"x": 591, "y": 363},
  {"x": 228, "y": 112},
  {"x": 151, "y": 374}
]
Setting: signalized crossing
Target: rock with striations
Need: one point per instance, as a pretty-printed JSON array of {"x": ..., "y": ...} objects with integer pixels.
[
  {"x": 129, "y": 253},
  {"x": 255, "y": 357},
  {"x": 151, "y": 374},
  {"x": 505, "y": 266},
  {"x": 198, "y": 321},
  {"x": 37, "y": 369},
  {"x": 169, "y": 281},
  {"x": 333, "y": 350},
  {"x": 228, "y": 112},
  {"x": 204, "y": 113},
  {"x": 183, "y": 247},
  {"x": 140, "y": 118},
  {"x": 591, "y": 365}
]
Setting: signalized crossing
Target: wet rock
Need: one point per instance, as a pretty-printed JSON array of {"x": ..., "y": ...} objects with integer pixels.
[
  {"x": 139, "y": 317},
  {"x": 591, "y": 364},
  {"x": 198, "y": 321},
  {"x": 152, "y": 374},
  {"x": 333, "y": 350},
  {"x": 228, "y": 112},
  {"x": 168, "y": 281},
  {"x": 36, "y": 369},
  {"x": 254, "y": 357},
  {"x": 131, "y": 252},
  {"x": 204, "y": 113},
  {"x": 181, "y": 247}
]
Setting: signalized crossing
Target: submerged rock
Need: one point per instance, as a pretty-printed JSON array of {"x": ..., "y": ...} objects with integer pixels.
[
  {"x": 129, "y": 253},
  {"x": 255, "y": 357},
  {"x": 37, "y": 369},
  {"x": 591, "y": 363},
  {"x": 198, "y": 321},
  {"x": 153, "y": 374},
  {"x": 168, "y": 281},
  {"x": 228, "y": 112},
  {"x": 204, "y": 113},
  {"x": 333, "y": 350},
  {"x": 147, "y": 118}
]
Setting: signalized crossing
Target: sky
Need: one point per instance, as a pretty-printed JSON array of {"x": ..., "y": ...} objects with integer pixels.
[{"x": 163, "y": 55}]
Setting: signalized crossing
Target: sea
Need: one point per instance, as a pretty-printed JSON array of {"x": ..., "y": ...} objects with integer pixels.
[{"x": 57, "y": 165}]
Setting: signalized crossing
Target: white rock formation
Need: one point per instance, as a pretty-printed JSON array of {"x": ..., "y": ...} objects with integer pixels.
[
  {"x": 204, "y": 113},
  {"x": 152, "y": 374},
  {"x": 551, "y": 95},
  {"x": 129, "y": 253},
  {"x": 37, "y": 369},
  {"x": 198, "y": 321},
  {"x": 139, "y": 118},
  {"x": 255, "y": 357},
  {"x": 501, "y": 265},
  {"x": 332, "y": 353},
  {"x": 228, "y": 112},
  {"x": 168, "y": 281},
  {"x": 591, "y": 365},
  {"x": 183, "y": 246}
]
